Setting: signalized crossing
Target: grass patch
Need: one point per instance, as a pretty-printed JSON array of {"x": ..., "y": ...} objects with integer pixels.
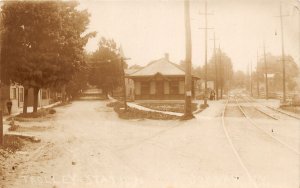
[
  {"x": 168, "y": 107},
  {"x": 41, "y": 113},
  {"x": 12, "y": 143},
  {"x": 133, "y": 113}
]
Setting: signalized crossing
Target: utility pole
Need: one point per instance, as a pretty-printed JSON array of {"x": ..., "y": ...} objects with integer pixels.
[
  {"x": 266, "y": 72},
  {"x": 216, "y": 68},
  {"x": 297, "y": 8},
  {"x": 251, "y": 79},
  {"x": 283, "y": 61},
  {"x": 1, "y": 115},
  {"x": 257, "y": 75},
  {"x": 123, "y": 76},
  {"x": 282, "y": 54},
  {"x": 205, "y": 35},
  {"x": 248, "y": 78},
  {"x": 124, "y": 84},
  {"x": 221, "y": 72},
  {"x": 188, "y": 60}
]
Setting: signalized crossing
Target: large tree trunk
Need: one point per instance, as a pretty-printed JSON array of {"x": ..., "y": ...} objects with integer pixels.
[
  {"x": 25, "y": 104},
  {"x": 35, "y": 98}
]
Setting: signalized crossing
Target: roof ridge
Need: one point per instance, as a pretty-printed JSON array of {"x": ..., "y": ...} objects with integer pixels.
[
  {"x": 150, "y": 63},
  {"x": 157, "y": 63}
]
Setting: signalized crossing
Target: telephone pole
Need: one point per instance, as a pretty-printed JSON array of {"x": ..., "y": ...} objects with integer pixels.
[
  {"x": 282, "y": 54},
  {"x": 205, "y": 35},
  {"x": 257, "y": 75},
  {"x": 1, "y": 115},
  {"x": 266, "y": 71},
  {"x": 216, "y": 68},
  {"x": 221, "y": 72},
  {"x": 188, "y": 61},
  {"x": 283, "y": 61},
  {"x": 251, "y": 79},
  {"x": 123, "y": 74},
  {"x": 248, "y": 78}
]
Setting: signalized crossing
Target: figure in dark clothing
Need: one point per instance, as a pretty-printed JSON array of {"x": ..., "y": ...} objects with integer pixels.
[
  {"x": 9, "y": 105},
  {"x": 212, "y": 95}
]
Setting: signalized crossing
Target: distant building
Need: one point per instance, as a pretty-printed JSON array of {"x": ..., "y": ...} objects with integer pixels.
[
  {"x": 210, "y": 85},
  {"x": 15, "y": 94},
  {"x": 160, "y": 79},
  {"x": 129, "y": 84}
]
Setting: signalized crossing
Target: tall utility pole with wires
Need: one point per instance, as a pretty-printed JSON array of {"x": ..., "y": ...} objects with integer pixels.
[
  {"x": 205, "y": 35},
  {"x": 1, "y": 116},
  {"x": 188, "y": 61},
  {"x": 123, "y": 74},
  {"x": 248, "y": 78},
  {"x": 282, "y": 54},
  {"x": 251, "y": 93},
  {"x": 216, "y": 68},
  {"x": 257, "y": 75},
  {"x": 298, "y": 9},
  {"x": 266, "y": 72},
  {"x": 221, "y": 72}
]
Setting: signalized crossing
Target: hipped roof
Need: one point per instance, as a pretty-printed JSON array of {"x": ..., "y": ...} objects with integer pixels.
[{"x": 162, "y": 66}]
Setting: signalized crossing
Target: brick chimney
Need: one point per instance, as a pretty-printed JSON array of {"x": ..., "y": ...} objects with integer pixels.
[{"x": 167, "y": 56}]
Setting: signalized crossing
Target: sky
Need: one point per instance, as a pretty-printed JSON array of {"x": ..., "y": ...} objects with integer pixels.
[{"x": 147, "y": 30}]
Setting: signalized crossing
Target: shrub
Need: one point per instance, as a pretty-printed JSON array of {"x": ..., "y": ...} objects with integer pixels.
[{"x": 133, "y": 113}]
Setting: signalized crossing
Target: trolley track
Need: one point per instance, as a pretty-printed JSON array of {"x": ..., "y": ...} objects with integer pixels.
[
  {"x": 250, "y": 120},
  {"x": 252, "y": 158},
  {"x": 234, "y": 149},
  {"x": 287, "y": 114}
]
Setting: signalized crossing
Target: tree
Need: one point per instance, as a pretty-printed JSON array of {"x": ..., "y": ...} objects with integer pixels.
[
  {"x": 224, "y": 70},
  {"x": 274, "y": 67},
  {"x": 239, "y": 79},
  {"x": 43, "y": 43},
  {"x": 105, "y": 66},
  {"x": 77, "y": 83},
  {"x": 135, "y": 66}
]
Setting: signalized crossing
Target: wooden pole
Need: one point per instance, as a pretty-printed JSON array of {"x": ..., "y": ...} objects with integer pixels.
[
  {"x": 188, "y": 60},
  {"x": 257, "y": 75},
  {"x": 205, "y": 76},
  {"x": 1, "y": 116},
  {"x": 216, "y": 69},
  {"x": 283, "y": 61},
  {"x": 266, "y": 72},
  {"x": 124, "y": 84}
]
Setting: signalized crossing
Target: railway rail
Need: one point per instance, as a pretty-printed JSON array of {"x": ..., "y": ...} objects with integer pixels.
[
  {"x": 275, "y": 109},
  {"x": 234, "y": 149},
  {"x": 262, "y": 130}
]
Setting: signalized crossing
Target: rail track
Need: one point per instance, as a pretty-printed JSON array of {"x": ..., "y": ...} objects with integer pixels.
[
  {"x": 234, "y": 149},
  {"x": 231, "y": 140},
  {"x": 274, "y": 109},
  {"x": 250, "y": 120}
]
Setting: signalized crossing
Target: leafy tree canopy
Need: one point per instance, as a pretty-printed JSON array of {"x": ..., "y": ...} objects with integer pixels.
[
  {"x": 106, "y": 66},
  {"x": 43, "y": 41}
]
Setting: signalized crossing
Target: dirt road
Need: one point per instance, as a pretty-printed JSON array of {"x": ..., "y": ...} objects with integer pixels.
[{"x": 89, "y": 146}]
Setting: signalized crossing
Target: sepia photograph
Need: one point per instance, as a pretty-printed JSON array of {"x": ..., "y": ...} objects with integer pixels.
[{"x": 149, "y": 93}]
